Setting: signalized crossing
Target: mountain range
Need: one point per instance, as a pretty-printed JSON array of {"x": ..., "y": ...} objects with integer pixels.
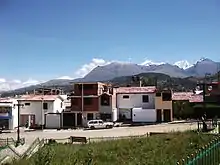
[{"x": 181, "y": 69}]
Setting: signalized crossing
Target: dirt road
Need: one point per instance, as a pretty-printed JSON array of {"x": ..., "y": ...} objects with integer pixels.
[{"x": 115, "y": 132}]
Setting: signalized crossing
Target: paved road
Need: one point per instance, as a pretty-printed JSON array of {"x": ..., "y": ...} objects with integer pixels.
[{"x": 115, "y": 132}]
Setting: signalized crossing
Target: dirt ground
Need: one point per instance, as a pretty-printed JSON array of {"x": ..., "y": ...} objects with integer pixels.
[{"x": 115, "y": 132}]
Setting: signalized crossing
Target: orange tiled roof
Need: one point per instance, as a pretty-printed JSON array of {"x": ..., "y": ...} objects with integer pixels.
[
  {"x": 150, "y": 89},
  {"x": 187, "y": 96},
  {"x": 39, "y": 97}
]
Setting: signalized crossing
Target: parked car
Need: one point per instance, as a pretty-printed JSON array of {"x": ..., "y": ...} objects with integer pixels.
[{"x": 99, "y": 124}]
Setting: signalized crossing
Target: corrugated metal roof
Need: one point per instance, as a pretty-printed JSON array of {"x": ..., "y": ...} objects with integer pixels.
[
  {"x": 6, "y": 100},
  {"x": 149, "y": 89},
  {"x": 187, "y": 96},
  {"x": 39, "y": 97}
]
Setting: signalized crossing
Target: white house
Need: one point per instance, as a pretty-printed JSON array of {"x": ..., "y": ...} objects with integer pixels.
[
  {"x": 36, "y": 107},
  {"x": 8, "y": 113},
  {"x": 128, "y": 98}
]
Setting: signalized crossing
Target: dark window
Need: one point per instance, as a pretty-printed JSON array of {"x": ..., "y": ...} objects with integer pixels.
[
  {"x": 73, "y": 101},
  {"x": 105, "y": 89},
  {"x": 166, "y": 96},
  {"x": 88, "y": 86},
  {"x": 145, "y": 99},
  {"x": 45, "y": 106},
  {"x": 87, "y": 101},
  {"x": 90, "y": 116},
  {"x": 158, "y": 94},
  {"x": 125, "y": 97},
  {"x": 27, "y": 104},
  {"x": 105, "y": 100}
]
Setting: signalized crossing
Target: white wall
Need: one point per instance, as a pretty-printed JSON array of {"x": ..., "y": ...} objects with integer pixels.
[
  {"x": 144, "y": 115},
  {"x": 35, "y": 108},
  {"x": 57, "y": 106},
  {"x": 13, "y": 122},
  {"x": 135, "y": 101},
  {"x": 105, "y": 109}
]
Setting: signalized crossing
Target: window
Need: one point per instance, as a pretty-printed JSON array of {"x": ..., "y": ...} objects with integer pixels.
[
  {"x": 95, "y": 122},
  {"x": 158, "y": 94},
  {"x": 166, "y": 97},
  {"x": 45, "y": 106},
  {"x": 100, "y": 122},
  {"x": 27, "y": 104},
  {"x": 105, "y": 100},
  {"x": 87, "y": 101},
  {"x": 61, "y": 105},
  {"x": 125, "y": 97},
  {"x": 145, "y": 99}
]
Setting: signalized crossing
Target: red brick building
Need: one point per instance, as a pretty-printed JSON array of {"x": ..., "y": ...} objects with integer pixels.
[{"x": 91, "y": 101}]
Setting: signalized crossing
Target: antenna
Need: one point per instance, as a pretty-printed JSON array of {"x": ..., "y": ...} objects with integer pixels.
[{"x": 218, "y": 72}]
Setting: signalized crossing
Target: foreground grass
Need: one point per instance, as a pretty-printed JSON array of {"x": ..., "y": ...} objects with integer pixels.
[{"x": 155, "y": 150}]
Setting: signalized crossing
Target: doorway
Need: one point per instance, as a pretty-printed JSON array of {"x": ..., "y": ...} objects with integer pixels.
[
  {"x": 159, "y": 115},
  {"x": 166, "y": 114},
  {"x": 79, "y": 119}
]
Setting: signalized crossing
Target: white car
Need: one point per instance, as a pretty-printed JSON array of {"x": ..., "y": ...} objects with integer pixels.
[{"x": 99, "y": 124}]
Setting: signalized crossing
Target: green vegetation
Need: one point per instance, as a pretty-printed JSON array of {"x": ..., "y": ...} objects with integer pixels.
[{"x": 164, "y": 149}]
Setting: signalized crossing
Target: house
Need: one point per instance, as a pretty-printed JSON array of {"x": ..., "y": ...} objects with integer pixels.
[
  {"x": 37, "y": 110},
  {"x": 128, "y": 98},
  {"x": 8, "y": 113},
  {"x": 183, "y": 104},
  {"x": 89, "y": 101},
  {"x": 163, "y": 105}
]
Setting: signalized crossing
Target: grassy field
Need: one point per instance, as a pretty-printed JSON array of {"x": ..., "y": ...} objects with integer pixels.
[{"x": 163, "y": 149}]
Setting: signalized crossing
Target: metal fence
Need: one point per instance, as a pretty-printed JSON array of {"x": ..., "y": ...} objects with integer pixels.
[
  {"x": 4, "y": 143},
  {"x": 208, "y": 155}
]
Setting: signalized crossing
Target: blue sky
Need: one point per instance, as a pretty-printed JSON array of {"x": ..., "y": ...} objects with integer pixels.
[{"x": 47, "y": 39}]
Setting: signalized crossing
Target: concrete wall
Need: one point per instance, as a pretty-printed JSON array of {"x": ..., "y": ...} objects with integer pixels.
[
  {"x": 160, "y": 104},
  {"x": 135, "y": 101},
  {"x": 105, "y": 109},
  {"x": 35, "y": 108}
]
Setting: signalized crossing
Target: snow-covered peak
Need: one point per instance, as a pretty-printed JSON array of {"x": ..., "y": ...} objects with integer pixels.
[
  {"x": 183, "y": 64},
  {"x": 149, "y": 63},
  {"x": 203, "y": 59}
]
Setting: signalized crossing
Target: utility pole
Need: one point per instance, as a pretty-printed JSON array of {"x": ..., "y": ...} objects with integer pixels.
[
  {"x": 18, "y": 128},
  {"x": 82, "y": 95},
  {"x": 42, "y": 110}
]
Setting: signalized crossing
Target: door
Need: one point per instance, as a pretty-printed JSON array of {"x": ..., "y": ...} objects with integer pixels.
[
  {"x": 159, "y": 115},
  {"x": 96, "y": 124},
  {"x": 79, "y": 119},
  {"x": 68, "y": 120},
  {"x": 166, "y": 114},
  {"x": 101, "y": 124}
]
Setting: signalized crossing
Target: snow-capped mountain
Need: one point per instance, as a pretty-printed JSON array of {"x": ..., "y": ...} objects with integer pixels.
[
  {"x": 117, "y": 69},
  {"x": 183, "y": 64},
  {"x": 149, "y": 63}
]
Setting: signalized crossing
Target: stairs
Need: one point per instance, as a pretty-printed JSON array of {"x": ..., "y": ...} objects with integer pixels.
[{"x": 22, "y": 151}]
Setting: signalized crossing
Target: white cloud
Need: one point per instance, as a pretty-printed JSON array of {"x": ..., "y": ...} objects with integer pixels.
[
  {"x": 86, "y": 68},
  {"x": 6, "y": 85},
  {"x": 65, "y": 78},
  {"x": 2, "y": 80}
]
